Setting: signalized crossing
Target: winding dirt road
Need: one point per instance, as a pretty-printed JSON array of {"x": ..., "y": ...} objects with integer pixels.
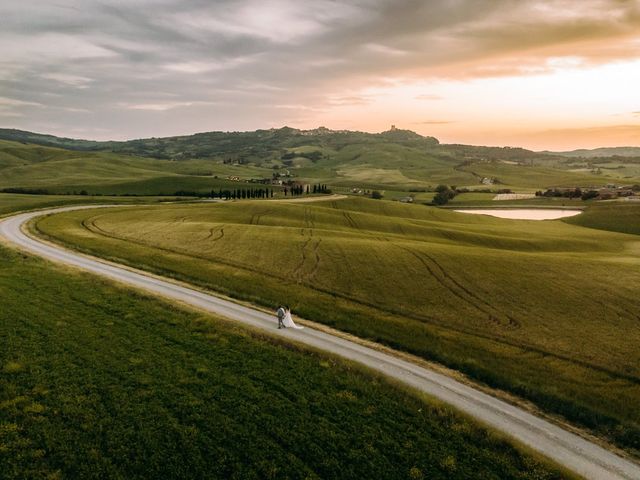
[{"x": 562, "y": 446}]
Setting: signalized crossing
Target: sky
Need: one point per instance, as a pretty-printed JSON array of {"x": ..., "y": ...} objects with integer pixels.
[{"x": 556, "y": 74}]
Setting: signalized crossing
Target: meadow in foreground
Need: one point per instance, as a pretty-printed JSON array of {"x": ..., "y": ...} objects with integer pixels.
[
  {"x": 100, "y": 382},
  {"x": 546, "y": 310}
]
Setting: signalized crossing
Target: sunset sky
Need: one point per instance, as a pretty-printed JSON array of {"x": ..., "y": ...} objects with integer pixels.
[{"x": 540, "y": 74}]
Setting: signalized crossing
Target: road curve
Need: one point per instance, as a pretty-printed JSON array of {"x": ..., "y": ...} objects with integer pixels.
[{"x": 567, "y": 449}]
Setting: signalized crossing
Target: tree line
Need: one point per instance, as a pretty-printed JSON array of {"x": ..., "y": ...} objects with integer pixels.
[
  {"x": 295, "y": 190},
  {"x": 242, "y": 193}
]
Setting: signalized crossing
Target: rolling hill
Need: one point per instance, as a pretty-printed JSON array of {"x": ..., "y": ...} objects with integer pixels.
[
  {"x": 397, "y": 159},
  {"x": 61, "y": 171},
  {"x": 601, "y": 152}
]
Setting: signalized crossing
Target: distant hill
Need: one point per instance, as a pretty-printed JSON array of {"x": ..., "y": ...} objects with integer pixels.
[
  {"x": 22, "y": 136},
  {"x": 395, "y": 160},
  {"x": 600, "y": 152},
  {"x": 236, "y": 145}
]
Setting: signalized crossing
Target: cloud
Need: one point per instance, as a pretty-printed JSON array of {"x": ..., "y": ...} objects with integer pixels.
[
  {"x": 14, "y": 108},
  {"x": 66, "y": 79},
  {"x": 429, "y": 97},
  {"x": 162, "y": 107},
  {"x": 12, "y": 102},
  {"x": 435, "y": 122},
  {"x": 234, "y": 64},
  {"x": 349, "y": 100}
]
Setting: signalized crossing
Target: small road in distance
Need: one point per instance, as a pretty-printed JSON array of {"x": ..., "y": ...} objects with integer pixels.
[{"x": 565, "y": 448}]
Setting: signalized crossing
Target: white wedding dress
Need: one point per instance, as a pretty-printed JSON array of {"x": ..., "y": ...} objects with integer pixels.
[{"x": 288, "y": 322}]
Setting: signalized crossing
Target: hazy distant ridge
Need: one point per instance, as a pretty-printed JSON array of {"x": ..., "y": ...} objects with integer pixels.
[
  {"x": 600, "y": 152},
  {"x": 217, "y": 142}
]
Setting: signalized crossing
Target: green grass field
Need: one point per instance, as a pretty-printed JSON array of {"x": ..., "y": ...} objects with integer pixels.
[
  {"x": 351, "y": 160},
  {"x": 546, "y": 310},
  {"x": 97, "y": 381},
  {"x": 62, "y": 171},
  {"x": 620, "y": 216}
]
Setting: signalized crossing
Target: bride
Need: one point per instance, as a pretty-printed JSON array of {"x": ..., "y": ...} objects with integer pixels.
[{"x": 288, "y": 322}]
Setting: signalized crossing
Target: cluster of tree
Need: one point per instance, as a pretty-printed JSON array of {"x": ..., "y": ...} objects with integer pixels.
[
  {"x": 321, "y": 188},
  {"x": 26, "y": 191},
  {"x": 569, "y": 193},
  {"x": 242, "y": 193},
  {"x": 235, "y": 194},
  {"x": 376, "y": 195},
  {"x": 191, "y": 193},
  {"x": 565, "y": 193},
  {"x": 39, "y": 191},
  {"x": 297, "y": 190},
  {"x": 443, "y": 194},
  {"x": 313, "y": 156},
  {"x": 589, "y": 195}
]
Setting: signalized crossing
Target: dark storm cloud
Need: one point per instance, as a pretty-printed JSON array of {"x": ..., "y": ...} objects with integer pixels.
[{"x": 155, "y": 67}]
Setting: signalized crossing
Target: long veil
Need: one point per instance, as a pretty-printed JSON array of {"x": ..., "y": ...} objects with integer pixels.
[{"x": 289, "y": 323}]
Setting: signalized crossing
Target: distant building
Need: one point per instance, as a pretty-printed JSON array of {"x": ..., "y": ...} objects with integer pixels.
[{"x": 406, "y": 199}]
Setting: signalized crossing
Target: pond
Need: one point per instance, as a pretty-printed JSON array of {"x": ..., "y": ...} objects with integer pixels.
[{"x": 523, "y": 213}]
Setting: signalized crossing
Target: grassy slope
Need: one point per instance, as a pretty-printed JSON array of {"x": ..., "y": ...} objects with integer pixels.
[
  {"x": 63, "y": 171},
  {"x": 522, "y": 176},
  {"x": 355, "y": 161},
  {"x": 394, "y": 166},
  {"x": 99, "y": 382},
  {"x": 544, "y": 309},
  {"x": 615, "y": 216},
  {"x": 385, "y": 165}
]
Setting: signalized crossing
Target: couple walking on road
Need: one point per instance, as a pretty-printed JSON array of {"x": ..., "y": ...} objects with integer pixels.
[{"x": 285, "y": 320}]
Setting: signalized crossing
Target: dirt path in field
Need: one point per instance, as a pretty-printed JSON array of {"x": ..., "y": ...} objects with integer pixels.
[
  {"x": 328, "y": 198},
  {"x": 565, "y": 448}
]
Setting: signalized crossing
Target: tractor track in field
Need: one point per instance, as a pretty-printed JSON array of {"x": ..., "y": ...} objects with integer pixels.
[
  {"x": 212, "y": 232},
  {"x": 256, "y": 217},
  {"x": 439, "y": 273},
  {"x": 406, "y": 314},
  {"x": 307, "y": 231},
  {"x": 568, "y": 449},
  {"x": 350, "y": 221},
  {"x": 512, "y": 321}
]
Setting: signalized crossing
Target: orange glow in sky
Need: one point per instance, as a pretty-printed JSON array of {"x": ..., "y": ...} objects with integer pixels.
[{"x": 568, "y": 107}]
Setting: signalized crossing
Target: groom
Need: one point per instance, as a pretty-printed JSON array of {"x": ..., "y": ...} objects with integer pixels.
[{"x": 280, "y": 313}]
